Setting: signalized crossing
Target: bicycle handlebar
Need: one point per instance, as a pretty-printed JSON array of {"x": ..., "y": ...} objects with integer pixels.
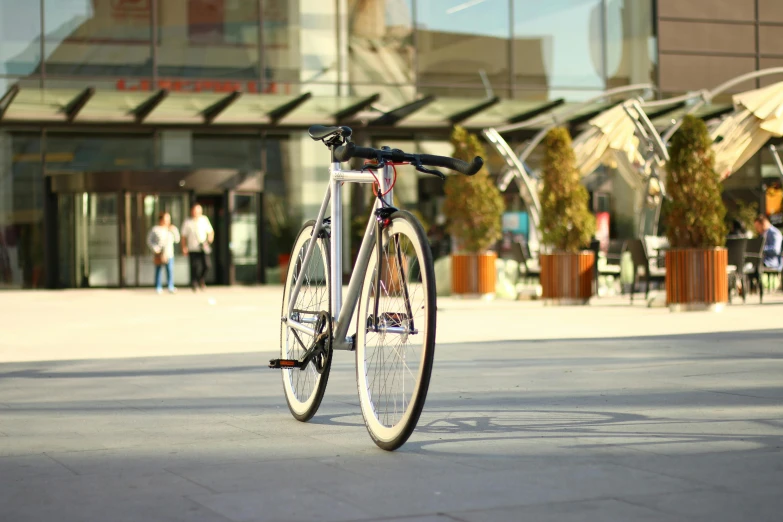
[{"x": 350, "y": 150}]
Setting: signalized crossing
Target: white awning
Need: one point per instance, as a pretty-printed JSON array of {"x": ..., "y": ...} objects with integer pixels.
[
  {"x": 609, "y": 133},
  {"x": 758, "y": 116}
]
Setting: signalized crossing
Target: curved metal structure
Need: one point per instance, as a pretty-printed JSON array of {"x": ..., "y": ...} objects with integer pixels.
[
  {"x": 528, "y": 189},
  {"x": 656, "y": 145}
]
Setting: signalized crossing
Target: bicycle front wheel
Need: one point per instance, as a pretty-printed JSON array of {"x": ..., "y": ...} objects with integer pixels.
[
  {"x": 395, "y": 339},
  {"x": 304, "y": 389}
]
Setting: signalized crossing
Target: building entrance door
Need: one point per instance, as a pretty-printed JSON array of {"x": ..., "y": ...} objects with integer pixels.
[{"x": 89, "y": 240}]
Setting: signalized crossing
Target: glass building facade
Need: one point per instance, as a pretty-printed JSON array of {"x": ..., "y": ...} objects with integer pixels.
[{"x": 76, "y": 201}]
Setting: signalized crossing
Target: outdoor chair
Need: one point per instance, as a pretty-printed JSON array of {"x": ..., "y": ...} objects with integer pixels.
[
  {"x": 647, "y": 265},
  {"x": 736, "y": 266},
  {"x": 529, "y": 266},
  {"x": 754, "y": 264},
  {"x": 614, "y": 256},
  {"x": 612, "y": 259}
]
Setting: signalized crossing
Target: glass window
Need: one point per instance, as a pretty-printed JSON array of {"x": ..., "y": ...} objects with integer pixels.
[
  {"x": 461, "y": 40},
  {"x": 300, "y": 46},
  {"x": 281, "y": 63},
  {"x": 209, "y": 40},
  {"x": 96, "y": 240},
  {"x": 244, "y": 238},
  {"x": 381, "y": 42},
  {"x": 227, "y": 152},
  {"x": 99, "y": 152},
  {"x": 630, "y": 45},
  {"x": 98, "y": 38},
  {"x": 20, "y": 33},
  {"x": 21, "y": 211},
  {"x": 558, "y": 44},
  {"x": 282, "y": 209}
]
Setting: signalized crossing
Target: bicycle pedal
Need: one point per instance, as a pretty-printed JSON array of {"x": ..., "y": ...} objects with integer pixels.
[{"x": 284, "y": 363}]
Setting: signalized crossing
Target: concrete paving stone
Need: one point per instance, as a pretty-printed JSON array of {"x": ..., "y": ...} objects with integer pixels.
[
  {"x": 486, "y": 490},
  {"x": 717, "y": 505},
  {"x": 733, "y": 471},
  {"x": 606, "y": 510},
  {"x": 281, "y": 474},
  {"x": 39, "y": 443},
  {"x": 123, "y": 497},
  {"x": 152, "y": 458},
  {"x": 300, "y": 504},
  {"x": 30, "y": 466},
  {"x": 128, "y": 509},
  {"x": 426, "y": 518},
  {"x": 370, "y": 463}
]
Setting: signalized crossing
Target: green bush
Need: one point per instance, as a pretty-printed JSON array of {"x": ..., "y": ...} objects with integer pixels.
[
  {"x": 474, "y": 205},
  {"x": 696, "y": 213},
  {"x": 566, "y": 222}
]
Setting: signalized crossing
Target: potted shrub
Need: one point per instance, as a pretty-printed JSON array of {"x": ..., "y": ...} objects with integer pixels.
[
  {"x": 473, "y": 210},
  {"x": 567, "y": 226},
  {"x": 696, "y": 260}
]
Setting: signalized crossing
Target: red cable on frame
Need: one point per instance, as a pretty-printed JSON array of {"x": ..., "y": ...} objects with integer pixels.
[{"x": 378, "y": 184}]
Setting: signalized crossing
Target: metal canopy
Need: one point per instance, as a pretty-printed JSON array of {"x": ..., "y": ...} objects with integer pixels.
[
  {"x": 396, "y": 115},
  {"x": 510, "y": 111},
  {"x": 670, "y": 117},
  {"x": 444, "y": 112},
  {"x": 93, "y": 106}
]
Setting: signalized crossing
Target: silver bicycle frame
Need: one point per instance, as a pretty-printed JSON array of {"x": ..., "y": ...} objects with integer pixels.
[{"x": 342, "y": 314}]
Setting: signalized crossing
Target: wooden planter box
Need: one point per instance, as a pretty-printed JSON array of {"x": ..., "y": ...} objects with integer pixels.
[
  {"x": 391, "y": 275},
  {"x": 473, "y": 274},
  {"x": 696, "y": 279},
  {"x": 282, "y": 262},
  {"x": 567, "y": 279}
]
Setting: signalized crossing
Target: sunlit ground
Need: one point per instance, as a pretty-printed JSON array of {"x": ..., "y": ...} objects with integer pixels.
[{"x": 125, "y": 405}]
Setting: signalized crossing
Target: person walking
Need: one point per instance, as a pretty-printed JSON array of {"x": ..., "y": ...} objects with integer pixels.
[
  {"x": 161, "y": 240},
  {"x": 198, "y": 236}
]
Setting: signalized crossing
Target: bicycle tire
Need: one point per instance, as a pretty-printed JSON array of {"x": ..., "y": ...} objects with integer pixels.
[
  {"x": 303, "y": 410},
  {"x": 395, "y": 313}
]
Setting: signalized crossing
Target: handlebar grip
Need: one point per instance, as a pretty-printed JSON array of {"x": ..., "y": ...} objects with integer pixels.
[
  {"x": 350, "y": 150},
  {"x": 469, "y": 169}
]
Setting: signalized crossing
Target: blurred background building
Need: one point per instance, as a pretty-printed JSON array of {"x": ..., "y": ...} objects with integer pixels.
[{"x": 113, "y": 110}]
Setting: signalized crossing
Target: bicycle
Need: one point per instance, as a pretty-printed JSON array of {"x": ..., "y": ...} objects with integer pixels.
[{"x": 392, "y": 284}]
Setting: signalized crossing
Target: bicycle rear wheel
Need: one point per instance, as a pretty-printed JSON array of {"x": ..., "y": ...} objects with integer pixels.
[
  {"x": 395, "y": 340},
  {"x": 304, "y": 389}
]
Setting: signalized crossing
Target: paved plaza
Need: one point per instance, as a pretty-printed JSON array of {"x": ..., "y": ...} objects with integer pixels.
[{"x": 124, "y": 405}]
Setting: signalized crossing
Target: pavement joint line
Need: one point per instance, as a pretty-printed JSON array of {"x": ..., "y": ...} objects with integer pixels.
[
  {"x": 244, "y": 429},
  {"x": 705, "y": 486},
  {"x": 651, "y": 508},
  {"x": 76, "y": 473},
  {"x": 209, "y": 489},
  {"x": 661, "y": 510},
  {"x": 741, "y": 395},
  {"x": 719, "y": 373},
  {"x": 207, "y": 508}
]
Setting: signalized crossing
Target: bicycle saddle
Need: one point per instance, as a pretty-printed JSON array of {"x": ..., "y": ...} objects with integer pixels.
[{"x": 321, "y": 132}]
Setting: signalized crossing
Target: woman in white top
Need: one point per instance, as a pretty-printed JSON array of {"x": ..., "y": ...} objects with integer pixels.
[{"x": 161, "y": 240}]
